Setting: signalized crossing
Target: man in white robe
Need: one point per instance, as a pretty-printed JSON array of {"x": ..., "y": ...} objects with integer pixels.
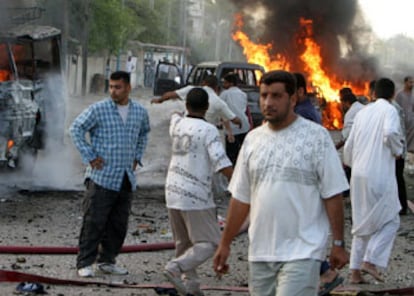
[{"x": 373, "y": 145}]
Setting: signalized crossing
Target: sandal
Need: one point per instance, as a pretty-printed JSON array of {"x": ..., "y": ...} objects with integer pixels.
[
  {"x": 326, "y": 288},
  {"x": 375, "y": 274}
]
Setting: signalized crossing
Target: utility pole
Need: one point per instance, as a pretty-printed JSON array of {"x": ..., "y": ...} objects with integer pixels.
[
  {"x": 169, "y": 22},
  {"x": 184, "y": 29},
  {"x": 118, "y": 57},
  {"x": 85, "y": 37}
]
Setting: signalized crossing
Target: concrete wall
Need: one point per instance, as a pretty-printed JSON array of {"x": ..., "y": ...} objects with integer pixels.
[{"x": 96, "y": 65}]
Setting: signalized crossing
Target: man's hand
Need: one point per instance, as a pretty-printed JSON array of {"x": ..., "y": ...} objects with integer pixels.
[
  {"x": 338, "y": 258},
  {"x": 219, "y": 261},
  {"x": 157, "y": 101},
  {"x": 237, "y": 121},
  {"x": 97, "y": 163},
  {"x": 230, "y": 138}
]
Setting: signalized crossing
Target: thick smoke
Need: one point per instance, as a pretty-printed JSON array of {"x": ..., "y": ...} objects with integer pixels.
[{"x": 337, "y": 27}]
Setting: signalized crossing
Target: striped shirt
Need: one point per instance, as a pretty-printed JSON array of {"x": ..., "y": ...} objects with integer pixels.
[{"x": 119, "y": 144}]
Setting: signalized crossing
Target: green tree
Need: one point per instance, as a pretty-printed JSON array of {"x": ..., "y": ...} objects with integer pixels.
[
  {"x": 154, "y": 20},
  {"x": 112, "y": 24}
]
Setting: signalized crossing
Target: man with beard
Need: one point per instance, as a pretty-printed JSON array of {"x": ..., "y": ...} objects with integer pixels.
[{"x": 290, "y": 178}]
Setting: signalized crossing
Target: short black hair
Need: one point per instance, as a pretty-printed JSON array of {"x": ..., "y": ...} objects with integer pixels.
[
  {"x": 210, "y": 81},
  {"x": 300, "y": 81},
  {"x": 345, "y": 91},
  {"x": 384, "y": 88},
  {"x": 406, "y": 78},
  {"x": 231, "y": 78},
  {"x": 280, "y": 76},
  {"x": 197, "y": 99},
  {"x": 121, "y": 75},
  {"x": 372, "y": 85}
]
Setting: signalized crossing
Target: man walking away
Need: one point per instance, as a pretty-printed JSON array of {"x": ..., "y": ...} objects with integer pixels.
[
  {"x": 373, "y": 145},
  {"x": 236, "y": 99},
  {"x": 197, "y": 152}
]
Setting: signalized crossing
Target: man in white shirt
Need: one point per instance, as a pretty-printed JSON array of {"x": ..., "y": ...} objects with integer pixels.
[
  {"x": 217, "y": 111},
  {"x": 289, "y": 177},
  {"x": 236, "y": 99},
  {"x": 373, "y": 145},
  {"x": 197, "y": 152}
]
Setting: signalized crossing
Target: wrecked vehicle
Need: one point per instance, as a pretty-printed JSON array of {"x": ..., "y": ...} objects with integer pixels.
[
  {"x": 169, "y": 77},
  {"x": 31, "y": 110}
]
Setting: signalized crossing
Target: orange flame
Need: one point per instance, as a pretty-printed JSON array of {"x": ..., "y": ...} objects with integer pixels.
[
  {"x": 325, "y": 86},
  {"x": 258, "y": 53}
]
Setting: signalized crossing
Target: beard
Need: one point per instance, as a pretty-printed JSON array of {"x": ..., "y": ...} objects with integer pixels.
[{"x": 279, "y": 116}]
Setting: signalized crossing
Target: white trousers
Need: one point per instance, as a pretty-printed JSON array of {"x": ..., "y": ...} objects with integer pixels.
[{"x": 375, "y": 248}]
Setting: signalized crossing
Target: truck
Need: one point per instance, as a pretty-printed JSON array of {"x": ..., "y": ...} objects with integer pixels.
[
  {"x": 169, "y": 76},
  {"x": 31, "y": 94}
]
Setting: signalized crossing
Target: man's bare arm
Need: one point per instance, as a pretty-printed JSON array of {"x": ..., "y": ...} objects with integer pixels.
[
  {"x": 335, "y": 210},
  {"x": 236, "y": 215},
  {"x": 165, "y": 97},
  {"x": 229, "y": 132},
  {"x": 227, "y": 172}
]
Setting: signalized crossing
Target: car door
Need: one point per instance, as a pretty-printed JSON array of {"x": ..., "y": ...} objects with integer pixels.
[{"x": 168, "y": 77}]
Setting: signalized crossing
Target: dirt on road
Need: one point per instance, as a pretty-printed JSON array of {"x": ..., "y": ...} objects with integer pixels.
[{"x": 48, "y": 213}]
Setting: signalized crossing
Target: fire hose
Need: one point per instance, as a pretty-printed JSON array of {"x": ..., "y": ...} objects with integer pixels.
[
  {"x": 14, "y": 276},
  {"x": 74, "y": 250}
]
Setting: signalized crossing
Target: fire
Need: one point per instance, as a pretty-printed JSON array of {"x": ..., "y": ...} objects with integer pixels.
[
  {"x": 325, "y": 87},
  {"x": 258, "y": 53}
]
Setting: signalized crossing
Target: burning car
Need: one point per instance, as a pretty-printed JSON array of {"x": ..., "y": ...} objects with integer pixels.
[
  {"x": 29, "y": 110},
  {"x": 168, "y": 77}
]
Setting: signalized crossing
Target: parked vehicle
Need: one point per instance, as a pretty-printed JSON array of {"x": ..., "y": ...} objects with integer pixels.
[
  {"x": 31, "y": 93},
  {"x": 168, "y": 77}
]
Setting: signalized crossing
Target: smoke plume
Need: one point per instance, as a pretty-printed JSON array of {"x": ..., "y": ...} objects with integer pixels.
[{"x": 338, "y": 27}]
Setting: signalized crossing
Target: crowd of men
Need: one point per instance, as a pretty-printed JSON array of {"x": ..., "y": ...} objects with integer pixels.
[{"x": 286, "y": 181}]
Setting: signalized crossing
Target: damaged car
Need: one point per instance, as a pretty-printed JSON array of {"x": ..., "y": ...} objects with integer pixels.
[{"x": 31, "y": 100}]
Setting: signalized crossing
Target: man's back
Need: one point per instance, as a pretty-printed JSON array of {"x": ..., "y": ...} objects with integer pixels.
[
  {"x": 372, "y": 126},
  {"x": 217, "y": 108},
  {"x": 236, "y": 99},
  {"x": 307, "y": 110},
  {"x": 350, "y": 117},
  {"x": 197, "y": 152}
]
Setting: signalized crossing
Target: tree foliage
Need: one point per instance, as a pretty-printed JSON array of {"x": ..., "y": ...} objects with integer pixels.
[{"x": 112, "y": 24}]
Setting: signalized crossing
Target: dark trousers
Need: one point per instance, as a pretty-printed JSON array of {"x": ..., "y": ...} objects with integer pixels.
[
  {"x": 402, "y": 191},
  {"x": 232, "y": 149},
  {"x": 105, "y": 223}
]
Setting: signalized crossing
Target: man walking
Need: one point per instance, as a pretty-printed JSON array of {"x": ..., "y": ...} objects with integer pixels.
[
  {"x": 236, "y": 99},
  {"x": 197, "y": 152},
  {"x": 290, "y": 178},
  {"x": 118, "y": 130},
  {"x": 405, "y": 99},
  {"x": 373, "y": 145}
]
